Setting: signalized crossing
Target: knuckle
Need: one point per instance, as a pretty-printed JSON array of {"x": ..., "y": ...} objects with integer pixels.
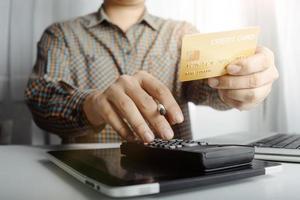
[
  {"x": 139, "y": 126},
  {"x": 101, "y": 102},
  {"x": 100, "y": 99},
  {"x": 222, "y": 93},
  {"x": 141, "y": 73},
  {"x": 173, "y": 108},
  {"x": 146, "y": 103},
  {"x": 226, "y": 82},
  {"x": 124, "y": 105},
  {"x": 245, "y": 107},
  {"x": 128, "y": 82},
  {"x": 125, "y": 79},
  {"x": 122, "y": 131},
  {"x": 132, "y": 86},
  {"x": 251, "y": 96},
  {"x": 108, "y": 115},
  {"x": 114, "y": 88},
  {"x": 240, "y": 106},
  {"x": 161, "y": 127},
  {"x": 253, "y": 81},
  {"x": 161, "y": 90},
  {"x": 245, "y": 63},
  {"x": 158, "y": 124}
]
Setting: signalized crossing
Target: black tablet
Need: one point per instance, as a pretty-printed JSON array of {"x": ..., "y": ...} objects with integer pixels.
[{"x": 109, "y": 172}]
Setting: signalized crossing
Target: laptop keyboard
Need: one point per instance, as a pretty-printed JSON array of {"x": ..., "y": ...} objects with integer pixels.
[{"x": 285, "y": 141}]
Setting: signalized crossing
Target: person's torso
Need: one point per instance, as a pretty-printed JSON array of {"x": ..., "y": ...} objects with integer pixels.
[{"x": 99, "y": 52}]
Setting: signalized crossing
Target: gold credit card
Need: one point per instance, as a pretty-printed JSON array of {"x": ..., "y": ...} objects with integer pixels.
[{"x": 207, "y": 55}]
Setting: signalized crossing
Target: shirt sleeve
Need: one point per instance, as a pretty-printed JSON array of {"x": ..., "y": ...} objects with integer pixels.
[
  {"x": 198, "y": 91},
  {"x": 55, "y": 103}
]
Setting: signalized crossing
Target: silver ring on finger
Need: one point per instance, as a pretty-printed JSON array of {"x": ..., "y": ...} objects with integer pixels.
[{"x": 161, "y": 109}]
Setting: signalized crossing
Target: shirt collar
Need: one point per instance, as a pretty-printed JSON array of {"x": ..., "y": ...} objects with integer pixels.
[
  {"x": 150, "y": 20},
  {"x": 102, "y": 16}
]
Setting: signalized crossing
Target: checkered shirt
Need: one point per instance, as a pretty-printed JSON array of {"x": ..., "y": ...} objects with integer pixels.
[{"x": 89, "y": 53}]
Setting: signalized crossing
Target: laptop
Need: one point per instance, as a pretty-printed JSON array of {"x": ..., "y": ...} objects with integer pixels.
[
  {"x": 109, "y": 172},
  {"x": 283, "y": 147}
]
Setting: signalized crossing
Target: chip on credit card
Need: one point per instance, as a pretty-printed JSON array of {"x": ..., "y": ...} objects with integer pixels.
[{"x": 206, "y": 55}]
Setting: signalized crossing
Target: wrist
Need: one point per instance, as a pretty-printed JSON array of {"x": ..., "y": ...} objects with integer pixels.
[{"x": 91, "y": 110}]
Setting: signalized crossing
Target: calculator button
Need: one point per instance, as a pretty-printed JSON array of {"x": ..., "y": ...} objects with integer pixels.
[
  {"x": 189, "y": 144},
  {"x": 202, "y": 143}
]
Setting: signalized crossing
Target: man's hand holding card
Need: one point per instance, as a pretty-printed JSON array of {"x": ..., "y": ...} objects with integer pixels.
[{"x": 232, "y": 63}]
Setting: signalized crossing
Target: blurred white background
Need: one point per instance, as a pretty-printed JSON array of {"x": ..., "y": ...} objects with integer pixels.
[{"x": 23, "y": 21}]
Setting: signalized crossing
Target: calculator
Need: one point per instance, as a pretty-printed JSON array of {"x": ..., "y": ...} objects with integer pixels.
[{"x": 196, "y": 155}]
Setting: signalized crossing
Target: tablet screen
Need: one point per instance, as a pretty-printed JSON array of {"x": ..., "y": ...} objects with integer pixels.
[{"x": 110, "y": 167}]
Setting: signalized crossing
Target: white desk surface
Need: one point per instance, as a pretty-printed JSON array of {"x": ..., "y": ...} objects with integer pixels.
[{"x": 25, "y": 174}]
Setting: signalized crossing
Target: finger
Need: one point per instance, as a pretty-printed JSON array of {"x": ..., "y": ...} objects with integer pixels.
[
  {"x": 262, "y": 60},
  {"x": 148, "y": 107},
  {"x": 237, "y": 104},
  {"x": 244, "y": 82},
  {"x": 249, "y": 95},
  {"x": 130, "y": 112},
  {"x": 228, "y": 101},
  {"x": 112, "y": 118},
  {"x": 161, "y": 93}
]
